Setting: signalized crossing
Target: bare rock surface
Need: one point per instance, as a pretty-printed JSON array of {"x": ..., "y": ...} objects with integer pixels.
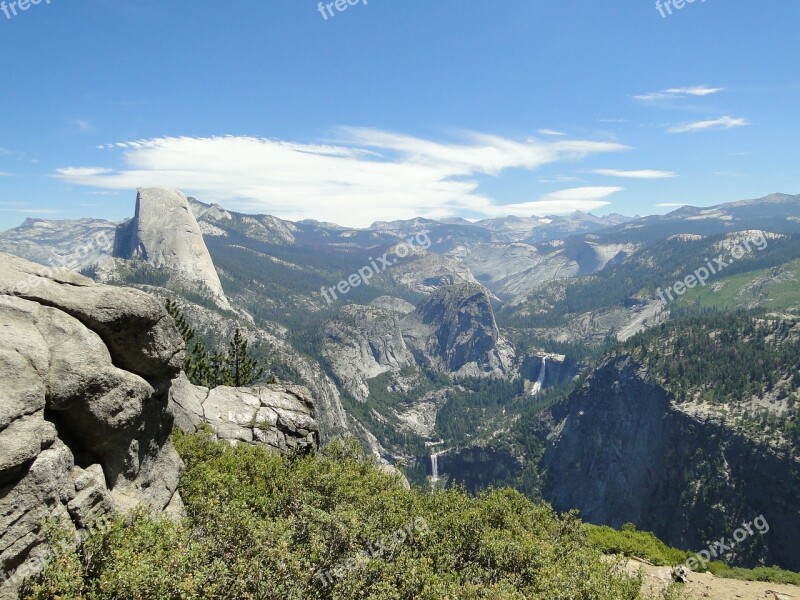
[
  {"x": 705, "y": 586},
  {"x": 280, "y": 416},
  {"x": 454, "y": 330},
  {"x": 393, "y": 304},
  {"x": 84, "y": 422},
  {"x": 165, "y": 234},
  {"x": 362, "y": 343}
]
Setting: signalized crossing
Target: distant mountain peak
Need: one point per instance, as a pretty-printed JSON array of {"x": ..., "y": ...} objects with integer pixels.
[{"x": 165, "y": 234}]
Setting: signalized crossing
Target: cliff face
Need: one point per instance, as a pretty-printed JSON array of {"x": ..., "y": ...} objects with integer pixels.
[
  {"x": 362, "y": 343},
  {"x": 164, "y": 234},
  {"x": 454, "y": 330},
  {"x": 620, "y": 451},
  {"x": 84, "y": 426},
  {"x": 91, "y": 387}
]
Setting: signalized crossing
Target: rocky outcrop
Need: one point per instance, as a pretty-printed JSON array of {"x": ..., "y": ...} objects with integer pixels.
[
  {"x": 454, "y": 330},
  {"x": 84, "y": 423},
  {"x": 165, "y": 235},
  {"x": 211, "y": 218},
  {"x": 299, "y": 368},
  {"x": 620, "y": 450},
  {"x": 393, "y": 304},
  {"x": 279, "y": 416},
  {"x": 362, "y": 343},
  {"x": 424, "y": 272}
]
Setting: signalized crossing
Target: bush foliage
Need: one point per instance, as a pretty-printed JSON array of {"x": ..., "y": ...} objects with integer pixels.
[
  {"x": 631, "y": 542},
  {"x": 262, "y": 526}
]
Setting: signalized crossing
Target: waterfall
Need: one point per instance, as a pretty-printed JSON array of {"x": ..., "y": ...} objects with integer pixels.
[
  {"x": 434, "y": 467},
  {"x": 537, "y": 386}
]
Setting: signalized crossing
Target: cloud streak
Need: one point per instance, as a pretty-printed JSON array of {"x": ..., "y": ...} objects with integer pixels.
[
  {"x": 32, "y": 211},
  {"x": 363, "y": 176},
  {"x": 721, "y": 123},
  {"x": 584, "y": 199},
  {"x": 640, "y": 174},
  {"x": 680, "y": 92}
]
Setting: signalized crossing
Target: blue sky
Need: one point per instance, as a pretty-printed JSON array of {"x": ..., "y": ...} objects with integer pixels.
[{"x": 393, "y": 108}]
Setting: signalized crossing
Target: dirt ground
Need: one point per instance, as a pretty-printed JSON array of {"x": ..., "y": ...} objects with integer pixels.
[{"x": 704, "y": 586}]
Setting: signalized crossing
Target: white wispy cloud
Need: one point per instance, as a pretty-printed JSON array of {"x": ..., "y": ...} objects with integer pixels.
[
  {"x": 639, "y": 174},
  {"x": 562, "y": 202},
  {"x": 584, "y": 194},
  {"x": 680, "y": 92},
  {"x": 559, "y": 179},
  {"x": 702, "y": 90},
  {"x": 551, "y": 132},
  {"x": 721, "y": 123},
  {"x": 363, "y": 176}
]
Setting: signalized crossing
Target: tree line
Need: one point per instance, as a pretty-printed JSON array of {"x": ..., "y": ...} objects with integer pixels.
[{"x": 232, "y": 366}]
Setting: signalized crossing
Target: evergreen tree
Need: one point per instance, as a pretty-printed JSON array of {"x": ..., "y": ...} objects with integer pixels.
[
  {"x": 199, "y": 370},
  {"x": 219, "y": 373},
  {"x": 234, "y": 368},
  {"x": 186, "y": 331},
  {"x": 241, "y": 369}
]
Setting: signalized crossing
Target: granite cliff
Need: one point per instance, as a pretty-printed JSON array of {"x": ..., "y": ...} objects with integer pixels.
[
  {"x": 92, "y": 387},
  {"x": 621, "y": 450},
  {"x": 165, "y": 235}
]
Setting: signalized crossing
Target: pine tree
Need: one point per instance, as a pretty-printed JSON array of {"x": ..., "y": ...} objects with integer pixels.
[
  {"x": 219, "y": 374},
  {"x": 241, "y": 369},
  {"x": 234, "y": 368},
  {"x": 199, "y": 369},
  {"x": 186, "y": 331}
]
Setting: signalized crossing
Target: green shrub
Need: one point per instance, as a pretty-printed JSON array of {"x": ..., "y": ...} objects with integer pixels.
[
  {"x": 265, "y": 526},
  {"x": 630, "y": 542},
  {"x": 767, "y": 574}
]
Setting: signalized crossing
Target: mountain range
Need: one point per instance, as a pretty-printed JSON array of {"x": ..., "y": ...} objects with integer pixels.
[{"x": 516, "y": 349}]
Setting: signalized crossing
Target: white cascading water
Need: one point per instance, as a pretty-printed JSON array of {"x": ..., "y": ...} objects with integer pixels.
[
  {"x": 537, "y": 386},
  {"x": 434, "y": 467}
]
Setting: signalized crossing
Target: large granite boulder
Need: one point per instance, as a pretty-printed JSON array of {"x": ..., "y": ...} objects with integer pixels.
[
  {"x": 279, "y": 416},
  {"x": 85, "y": 371}
]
